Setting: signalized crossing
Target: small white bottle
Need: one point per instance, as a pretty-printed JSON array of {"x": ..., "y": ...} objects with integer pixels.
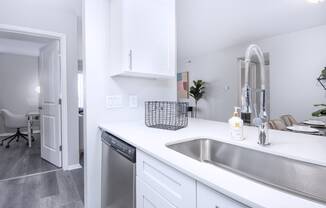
[{"x": 236, "y": 125}]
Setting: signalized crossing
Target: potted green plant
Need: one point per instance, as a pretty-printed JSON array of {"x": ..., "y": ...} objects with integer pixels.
[
  {"x": 323, "y": 73},
  {"x": 320, "y": 112},
  {"x": 197, "y": 91}
]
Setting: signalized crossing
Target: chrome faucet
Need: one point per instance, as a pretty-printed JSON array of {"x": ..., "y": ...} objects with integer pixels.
[{"x": 261, "y": 121}]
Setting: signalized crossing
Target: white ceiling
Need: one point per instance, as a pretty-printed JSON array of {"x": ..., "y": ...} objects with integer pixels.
[{"x": 209, "y": 25}]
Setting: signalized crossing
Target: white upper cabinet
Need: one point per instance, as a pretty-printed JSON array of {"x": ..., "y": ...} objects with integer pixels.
[{"x": 143, "y": 38}]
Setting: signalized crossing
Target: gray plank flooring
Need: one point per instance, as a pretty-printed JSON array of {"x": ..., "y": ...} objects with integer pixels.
[
  {"x": 20, "y": 160},
  {"x": 56, "y": 189}
]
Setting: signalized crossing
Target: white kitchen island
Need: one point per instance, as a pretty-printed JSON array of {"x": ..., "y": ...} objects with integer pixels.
[{"x": 151, "y": 143}]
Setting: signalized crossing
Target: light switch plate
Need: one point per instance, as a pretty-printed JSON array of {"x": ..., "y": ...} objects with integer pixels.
[
  {"x": 133, "y": 101},
  {"x": 114, "y": 101}
]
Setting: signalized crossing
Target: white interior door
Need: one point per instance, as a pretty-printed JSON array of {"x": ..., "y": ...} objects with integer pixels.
[{"x": 49, "y": 75}]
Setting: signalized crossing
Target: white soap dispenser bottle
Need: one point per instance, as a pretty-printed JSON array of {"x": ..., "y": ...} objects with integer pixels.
[{"x": 236, "y": 125}]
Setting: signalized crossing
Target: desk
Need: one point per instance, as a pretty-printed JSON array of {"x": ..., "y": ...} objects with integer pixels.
[{"x": 30, "y": 117}]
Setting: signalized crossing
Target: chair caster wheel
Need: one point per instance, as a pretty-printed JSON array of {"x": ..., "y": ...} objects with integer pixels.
[
  {"x": 7, "y": 146},
  {"x": 1, "y": 144}
]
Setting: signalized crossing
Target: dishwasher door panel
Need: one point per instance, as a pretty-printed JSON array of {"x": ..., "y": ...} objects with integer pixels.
[{"x": 118, "y": 179}]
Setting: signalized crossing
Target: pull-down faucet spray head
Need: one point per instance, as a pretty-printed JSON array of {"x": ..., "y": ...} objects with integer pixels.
[{"x": 247, "y": 105}]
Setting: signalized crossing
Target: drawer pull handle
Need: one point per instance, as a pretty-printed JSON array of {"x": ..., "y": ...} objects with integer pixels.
[{"x": 130, "y": 60}]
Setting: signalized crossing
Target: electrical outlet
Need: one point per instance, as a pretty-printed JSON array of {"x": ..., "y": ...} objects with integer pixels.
[
  {"x": 133, "y": 101},
  {"x": 114, "y": 101}
]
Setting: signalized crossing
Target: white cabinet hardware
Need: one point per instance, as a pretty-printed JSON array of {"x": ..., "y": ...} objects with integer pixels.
[{"x": 130, "y": 60}]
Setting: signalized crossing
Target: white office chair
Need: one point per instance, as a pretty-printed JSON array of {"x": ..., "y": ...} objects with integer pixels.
[{"x": 14, "y": 121}]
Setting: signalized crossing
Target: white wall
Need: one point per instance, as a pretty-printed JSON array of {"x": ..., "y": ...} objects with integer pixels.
[
  {"x": 18, "y": 79},
  {"x": 218, "y": 70},
  {"x": 296, "y": 60},
  {"x": 98, "y": 85},
  {"x": 57, "y": 16}
]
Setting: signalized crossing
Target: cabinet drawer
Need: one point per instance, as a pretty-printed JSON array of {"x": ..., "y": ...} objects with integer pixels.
[
  {"x": 172, "y": 185},
  {"x": 209, "y": 198},
  {"x": 149, "y": 198}
]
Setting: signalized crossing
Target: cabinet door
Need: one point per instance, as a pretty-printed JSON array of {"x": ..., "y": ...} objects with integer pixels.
[
  {"x": 175, "y": 187},
  {"x": 148, "y": 36},
  {"x": 148, "y": 198},
  {"x": 208, "y": 198}
]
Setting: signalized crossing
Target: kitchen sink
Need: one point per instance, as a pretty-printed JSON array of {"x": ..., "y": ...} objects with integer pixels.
[{"x": 301, "y": 178}]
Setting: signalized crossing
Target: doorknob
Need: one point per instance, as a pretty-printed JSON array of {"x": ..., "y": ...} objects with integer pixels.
[{"x": 40, "y": 107}]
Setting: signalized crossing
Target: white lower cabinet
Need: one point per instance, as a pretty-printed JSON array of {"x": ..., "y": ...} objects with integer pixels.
[
  {"x": 209, "y": 198},
  {"x": 149, "y": 198},
  {"x": 161, "y": 186}
]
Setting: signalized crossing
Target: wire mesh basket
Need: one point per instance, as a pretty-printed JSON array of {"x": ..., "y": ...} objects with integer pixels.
[{"x": 166, "y": 115}]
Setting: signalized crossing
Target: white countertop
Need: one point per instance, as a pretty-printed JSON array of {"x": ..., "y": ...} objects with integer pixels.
[{"x": 293, "y": 145}]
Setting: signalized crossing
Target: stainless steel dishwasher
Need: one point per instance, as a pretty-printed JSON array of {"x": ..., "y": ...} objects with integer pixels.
[{"x": 118, "y": 173}]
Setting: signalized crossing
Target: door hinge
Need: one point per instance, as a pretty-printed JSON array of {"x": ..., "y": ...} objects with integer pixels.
[
  {"x": 60, "y": 101},
  {"x": 60, "y": 148}
]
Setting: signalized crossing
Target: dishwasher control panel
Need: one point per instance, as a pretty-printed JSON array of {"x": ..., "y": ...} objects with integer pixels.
[{"x": 120, "y": 146}]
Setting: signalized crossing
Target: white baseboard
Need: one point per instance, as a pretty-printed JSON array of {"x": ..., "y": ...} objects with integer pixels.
[{"x": 73, "y": 167}]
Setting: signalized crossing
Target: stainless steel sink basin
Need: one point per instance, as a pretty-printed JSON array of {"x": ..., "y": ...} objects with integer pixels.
[{"x": 304, "y": 179}]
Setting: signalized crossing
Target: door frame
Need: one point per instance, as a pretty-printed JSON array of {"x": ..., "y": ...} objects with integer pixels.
[{"x": 63, "y": 77}]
